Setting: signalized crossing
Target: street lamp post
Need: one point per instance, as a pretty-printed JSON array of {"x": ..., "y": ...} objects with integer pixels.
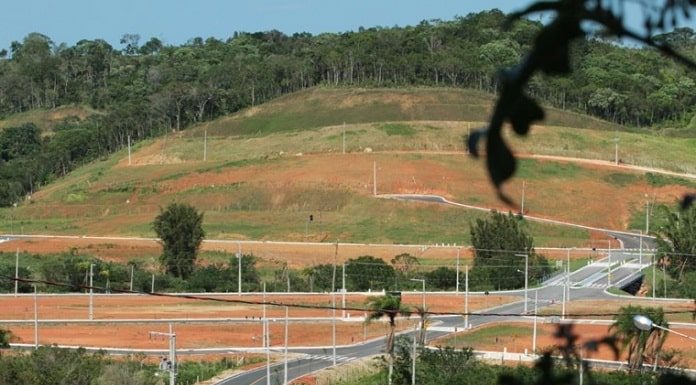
[
  {"x": 609, "y": 260},
  {"x": 422, "y": 281},
  {"x": 456, "y": 284},
  {"x": 644, "y": 323},
  {"x": 239, "y": 269},
  {"x": 526, "y": 278}
]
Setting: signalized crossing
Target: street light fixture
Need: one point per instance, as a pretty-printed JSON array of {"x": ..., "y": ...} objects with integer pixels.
[
  {"x": 526, "y": 278},
  {"x": 644, "y": 323}
]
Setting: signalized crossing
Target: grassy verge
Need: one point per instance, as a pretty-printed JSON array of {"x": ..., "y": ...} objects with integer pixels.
[
  {"x": 663, "y": 282},
  {"x": 486, "y": 335}
]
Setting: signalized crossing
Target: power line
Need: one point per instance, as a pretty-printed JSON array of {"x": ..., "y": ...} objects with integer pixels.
[{"x": 311, "y": 306}]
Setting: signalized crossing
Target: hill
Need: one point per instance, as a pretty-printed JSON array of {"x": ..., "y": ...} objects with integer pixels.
[
  {"x": 269, "y": 167},
  {"x": 321, "y": 107}
]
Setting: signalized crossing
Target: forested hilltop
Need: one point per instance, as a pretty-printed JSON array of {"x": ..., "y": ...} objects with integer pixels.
[{"x": 144, "y": 89}]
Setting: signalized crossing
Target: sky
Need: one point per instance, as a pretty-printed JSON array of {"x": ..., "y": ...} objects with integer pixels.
[{"x": 176, "y": 21}]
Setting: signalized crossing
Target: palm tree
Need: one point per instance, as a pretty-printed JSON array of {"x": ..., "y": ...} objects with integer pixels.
[
  {"x": 389, "y": 306},
  {"x": 639, "y": 344}
]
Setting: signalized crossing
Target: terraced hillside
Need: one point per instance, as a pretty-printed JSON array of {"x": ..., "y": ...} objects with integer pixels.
[{"x": 268, "y": 168}]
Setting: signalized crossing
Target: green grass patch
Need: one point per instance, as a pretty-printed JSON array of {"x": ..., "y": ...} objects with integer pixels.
[
  {"x": 536, "y": 170},
  {"x": 663, "y": 282},
  {"x": 401, "y": 129},
  {"x": 660, "y": 180},
  {"x": 617, "y": 291},
  {"x": 485, "y": 335},
  {"x": 621, "y": 179},
  {"x": 47, "y": 119}
]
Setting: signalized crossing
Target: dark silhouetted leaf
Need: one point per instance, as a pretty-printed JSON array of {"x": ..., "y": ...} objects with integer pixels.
[
  {"x": 472, "y": 141},
  {"x": 499, "y": 159},
  {"x": 687, "y": 201},
  {"x": 523, "y": 113},
  {"x": 556, "y": 62}
]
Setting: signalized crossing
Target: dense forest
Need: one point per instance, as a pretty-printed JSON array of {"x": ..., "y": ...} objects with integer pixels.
[{"x": 146, "y": 88}]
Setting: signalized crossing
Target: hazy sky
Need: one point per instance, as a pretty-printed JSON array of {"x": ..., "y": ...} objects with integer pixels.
[{"x": 176, "y": 21}]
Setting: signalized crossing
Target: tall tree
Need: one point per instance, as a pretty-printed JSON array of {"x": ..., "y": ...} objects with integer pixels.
[
  {"x": 180, "y": 229},
  {"x": 500, "y": 243}
]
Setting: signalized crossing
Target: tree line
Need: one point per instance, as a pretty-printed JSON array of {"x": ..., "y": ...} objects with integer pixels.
[{"x": 146, "y": 89}]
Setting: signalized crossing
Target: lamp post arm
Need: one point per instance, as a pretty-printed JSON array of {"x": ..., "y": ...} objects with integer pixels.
[{"x": 674, "y": 331}]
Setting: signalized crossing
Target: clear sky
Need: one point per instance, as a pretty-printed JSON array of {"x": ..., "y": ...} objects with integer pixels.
[{"x": 176, "y": 21}]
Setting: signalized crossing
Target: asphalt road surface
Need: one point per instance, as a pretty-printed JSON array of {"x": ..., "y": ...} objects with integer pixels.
[{"x": 588, "y": 282}]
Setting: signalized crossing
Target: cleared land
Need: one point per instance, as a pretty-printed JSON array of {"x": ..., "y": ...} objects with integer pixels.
[
  {"x": 270, "y": 254},
  {"x": 155, "y": 307},
  {"x": 683, "y": 311},
  {"x": 517, "y": 337},
  {"x": 271, "y": 166},
  {"x": 196, "y": 334}
]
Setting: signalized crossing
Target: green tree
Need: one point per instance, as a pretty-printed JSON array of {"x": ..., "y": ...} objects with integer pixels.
[
  {"x": 443, "y": 278},
  {"x": 676, "y": 242},
  {"x": 5, "y": 338},
  {"x": 368, "y": 273},
  {"x": 640, "y": 345},
  {"x": 389, "y": 306},
  {"x": 499, "y": 242},
  {"x": 180, "y": 229},
  {"x": 405, "y": 263}
]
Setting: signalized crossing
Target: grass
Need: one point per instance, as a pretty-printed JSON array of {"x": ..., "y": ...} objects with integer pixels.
[
  {"x": 486, "y": 335},
  {"x": 259, "y": 183},
  {"x": 617, "y": 291},
  {"x": 47, "y": 119},
  {"x": 663, "y": 282},
  {"x": 401, "y": 129}
]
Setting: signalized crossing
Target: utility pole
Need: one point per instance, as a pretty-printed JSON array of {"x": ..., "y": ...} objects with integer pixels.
[
  {"x": 36, "y": 320},
  {"x": 285, "y": 364},
  {"x": 654, "y": 266},
  {"x": 567, "y": 285},
  {"x": 131, "y": 277},
  {"x": 285, "y": 353},
  {"x": 343, "y": 293},
  {"x": 374, "y": 178},
  {"x": 333, "y": 306},
  {"x": 563, "y": 306},
  {"x": 171, "y": 366},
  {"x": 91, "y": 291},
  {"x": 524, "y": 184},
  {"x": 647, "y": 217},
  {"x": 129, "y": 151},
  {"x": 152, "y": 286},
  {"x": 239, "y": 269},
  {"x": 456, "y": 287},
  {"x": 640, "y": 250},
  {"x": 17, "y": 272},
  {"x": 205, "y": 145},
  {"x": 526, "y": 279},
  {"x": 263, "y": 317},
  {"x": 413, "y": 355},
  {"x": 466, "y": 297},
  {"x": 534, "y": 336},
  {"x": 609, "y": 259},
  {"x": 266, "y": 337},
  {"x": 616, "y": 151}
]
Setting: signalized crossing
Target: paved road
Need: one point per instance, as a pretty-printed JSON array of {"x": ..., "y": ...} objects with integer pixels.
[{"x": 587, "y": 282}]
